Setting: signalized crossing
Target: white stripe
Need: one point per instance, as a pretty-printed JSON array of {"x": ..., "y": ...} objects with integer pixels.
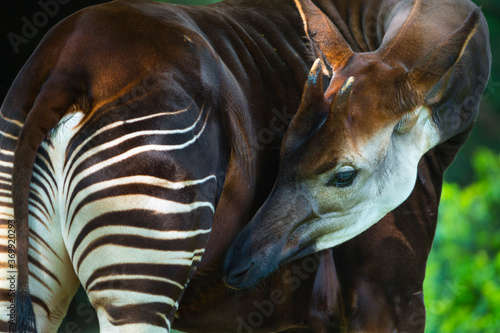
[
  {"x": 114, "y": 125},
  {"x": 7, "y": 164},
  {"x": 7, "y": 135},
  {"x": 108, "y": 255},
  {"x": 132, "y": 152},
  {"x": 6, "y": 213},
  {"x": 126, "y": 203},
  {"x": 139, "y": 232},
  {"x": 5, "y": 175},
  {"x": 142, "y": 232},
  {"x": 6, "y": 152},
  {"x": 46, "y": 180},
  {"x": 134, "y": 277},
  {"x": 38, "y": 191},
  {"x": 129, "y": 136},
  {"x": 41, "y": 209},
  {"x": 39, "y": 218},
  {"x": 6, "y": 182},
  {"x": 149, "y": 180},
  {"x": 12, "y": 121},
  {"x": 44, "y": 160},
  {"x": 6, "y": 200},
  {"x": 106, "y": 326}
]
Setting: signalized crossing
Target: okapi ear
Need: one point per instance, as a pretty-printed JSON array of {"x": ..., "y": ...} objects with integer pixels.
[
  {"x": 327, "y": 42},
  {"x": 429, "y": 71},
  {"x": 313, "y": 109}
]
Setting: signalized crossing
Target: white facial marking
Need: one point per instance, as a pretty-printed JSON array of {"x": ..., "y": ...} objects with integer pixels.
[{"x": 387, "y": 168}]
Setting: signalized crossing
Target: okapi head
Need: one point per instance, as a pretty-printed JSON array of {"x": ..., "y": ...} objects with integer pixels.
[{"x": 351, "y": 152}]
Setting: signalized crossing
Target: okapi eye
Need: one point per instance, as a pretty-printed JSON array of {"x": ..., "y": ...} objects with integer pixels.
[
  {"x": 407, "y": 121},
  {"x": 342, "y": 179}
]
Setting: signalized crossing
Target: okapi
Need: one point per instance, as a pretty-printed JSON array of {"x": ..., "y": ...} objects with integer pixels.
[{"x": 130, "y": 114}]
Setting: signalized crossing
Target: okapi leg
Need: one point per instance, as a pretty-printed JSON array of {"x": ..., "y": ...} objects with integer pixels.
[
  {"x": 135, "y": 279},
  {"x": 52, "y": 279},
  {"x": 136, "y": 239}
]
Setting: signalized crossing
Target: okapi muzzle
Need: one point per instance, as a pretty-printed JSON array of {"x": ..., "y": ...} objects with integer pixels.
[{"x": 351, "y": 152}]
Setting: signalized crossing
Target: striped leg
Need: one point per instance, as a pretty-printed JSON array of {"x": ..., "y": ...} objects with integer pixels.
[
  {"x": 135, "y": 277},
  {"x": 137, "y": 220},
  {"x": 124, "y": 201},
  {"x": 52, "y": 278},
  {"x": 8, "y": 274},
  {"x": 134, "y": 254},
  {"x": 53, "y": 281}
]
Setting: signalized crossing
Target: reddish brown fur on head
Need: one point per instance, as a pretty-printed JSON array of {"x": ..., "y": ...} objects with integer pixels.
[{"x": 350, "y": 154}]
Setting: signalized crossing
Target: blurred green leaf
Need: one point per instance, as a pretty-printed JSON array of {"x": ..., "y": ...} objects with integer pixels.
[{"x": 462, "y": 285}]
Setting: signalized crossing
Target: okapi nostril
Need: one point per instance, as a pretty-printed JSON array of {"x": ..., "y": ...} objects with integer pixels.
[
  {"x": 243, "y": 271},
  {"x": 235, "y": 276}
]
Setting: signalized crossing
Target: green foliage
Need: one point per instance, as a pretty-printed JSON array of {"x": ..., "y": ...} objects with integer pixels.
[{"x": 462, "y": 286}]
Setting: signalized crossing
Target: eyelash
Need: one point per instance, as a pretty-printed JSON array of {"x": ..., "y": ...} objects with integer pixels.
[{"x": 407, "y": 117}]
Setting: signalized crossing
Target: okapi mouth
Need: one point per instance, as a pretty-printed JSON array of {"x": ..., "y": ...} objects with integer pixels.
[
  {"x": 235, "y": 279},
  {"x": 271, "y": 239},
  {"x": 242, "y": 272}
]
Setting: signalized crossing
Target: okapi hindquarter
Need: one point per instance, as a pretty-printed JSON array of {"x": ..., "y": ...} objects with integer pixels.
[{"x": 132, "y": 145}]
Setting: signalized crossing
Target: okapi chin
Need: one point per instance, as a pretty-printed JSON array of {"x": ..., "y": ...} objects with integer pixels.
[{"x": 138, "y": 158}]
